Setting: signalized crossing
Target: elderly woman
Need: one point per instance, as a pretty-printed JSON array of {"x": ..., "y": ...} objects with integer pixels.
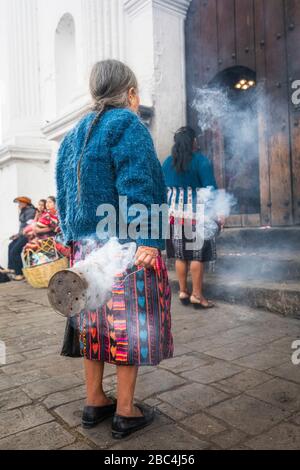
[
  {"x": 27, "y": 214},
  {"x": 110, "y": 154}
]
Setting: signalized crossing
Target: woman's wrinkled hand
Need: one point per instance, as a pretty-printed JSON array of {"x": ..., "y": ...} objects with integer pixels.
[{"x": 146, "y": 257}]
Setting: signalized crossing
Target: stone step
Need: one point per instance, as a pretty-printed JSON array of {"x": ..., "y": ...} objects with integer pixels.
[
  {"x": 276, "y": 266},
  {"x": 285, "y": 239},
  {"x": 277, "y": 297}
]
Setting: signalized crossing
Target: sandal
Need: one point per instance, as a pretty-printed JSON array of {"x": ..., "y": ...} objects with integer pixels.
[
  {"x": 18, "y": 278},
  {"x": 197, "y": 304},
  {"x": 184, "y": 298}
]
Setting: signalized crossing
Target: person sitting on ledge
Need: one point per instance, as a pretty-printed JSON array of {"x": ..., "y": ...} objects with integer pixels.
[
  {"x": 47, "y": 223},
  {"x": 26, "y": 214}
]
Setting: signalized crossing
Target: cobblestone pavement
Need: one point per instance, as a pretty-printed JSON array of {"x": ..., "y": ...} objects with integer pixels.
[{"x": 231, "y": 384}]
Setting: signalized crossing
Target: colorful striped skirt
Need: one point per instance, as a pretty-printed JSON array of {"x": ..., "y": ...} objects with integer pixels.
[{"x": 135, "y": 330}]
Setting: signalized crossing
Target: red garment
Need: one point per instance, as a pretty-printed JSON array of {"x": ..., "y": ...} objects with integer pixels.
[
  {"x": 49, "y": 219},
  {"x": 180, "y": 221},
  {"x": 63, "y": 250}
]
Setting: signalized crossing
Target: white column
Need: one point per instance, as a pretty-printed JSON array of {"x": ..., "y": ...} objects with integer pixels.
[
  {"x": 140, "y": 53},
  {"x": 92, "y": 13},
  {"x": 156, "y": 52},
  {"x": 23, "y": 100},
  {"x": 103, "y": 22},
  {"x": 102, "y": 36},
  {"x": 25, "y": 154}
]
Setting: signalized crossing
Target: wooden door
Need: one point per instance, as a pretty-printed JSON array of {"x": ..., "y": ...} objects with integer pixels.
[
  {"x": 292, "y": 27},
  {"x": 262, "y": 36}
]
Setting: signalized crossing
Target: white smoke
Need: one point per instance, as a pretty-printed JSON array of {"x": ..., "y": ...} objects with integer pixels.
[
  {"x": 217, "y": 204},
  {"x": 235, "y": 119},
  {"x": 101, "y": 267},
  {"x": 211, "y": 104}
]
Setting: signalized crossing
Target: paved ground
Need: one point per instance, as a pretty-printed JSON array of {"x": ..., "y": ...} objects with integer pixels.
[{"x": 231, "y": 385}]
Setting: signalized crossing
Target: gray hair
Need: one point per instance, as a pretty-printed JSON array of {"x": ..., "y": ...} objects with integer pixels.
[{"x": 110, "y": 82}]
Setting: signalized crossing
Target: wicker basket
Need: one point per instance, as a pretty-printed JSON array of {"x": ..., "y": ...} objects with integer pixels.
[{"x": 40, "y": 275}]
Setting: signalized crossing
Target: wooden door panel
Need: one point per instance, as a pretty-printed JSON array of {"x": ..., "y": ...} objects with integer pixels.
[
  {"x": 278, "y": 119},
  {"x": 245, "y": 44},
  {"x": 293, "y": 59},
  {"x": 295, "y": 134},
  {"x": 260, "y": 58},
  {"x": 293, "y": 13},
  {"x": 264, "y": 167},
  {"x": 279, "y": 156},
  {"x": 293, "y": 56},
  {"x": 193, "y": 58},
  {"x": 263, "y": 35},
  {"x": 276, "y": 64},
  {"x": 208, "y": 40},
  {"x": 260, "y": 40},
  {"x": 226, "y": 33}
]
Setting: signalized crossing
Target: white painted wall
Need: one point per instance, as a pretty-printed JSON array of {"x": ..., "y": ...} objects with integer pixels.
[
  {"x": 140, "y": 50},
  {"x": 146, "y": 34},
  {"x": 49, "y": 17},
  {"x": 169, "y": 69},
  {"x": 65, "y": 61},
  {"x": 156, "y": 52},
  {"x": 8, "y": 210}
]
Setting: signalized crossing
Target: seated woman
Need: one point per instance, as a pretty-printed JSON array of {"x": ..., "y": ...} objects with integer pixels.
[
  {"x": 27, "y": 213},
  {"x": 47, "y": 224},
  {"x": 29, "y": 230},
  {"x": 45, "y": 227}
]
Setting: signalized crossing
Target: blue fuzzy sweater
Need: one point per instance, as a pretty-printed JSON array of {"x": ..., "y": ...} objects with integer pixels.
[
  {"x": 119, "y": 160},
  {"x": 199, "y": 174}
]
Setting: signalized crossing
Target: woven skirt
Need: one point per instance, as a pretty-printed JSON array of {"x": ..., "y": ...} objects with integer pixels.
[
  {"x": 178, "y": 247},
  {"x": 135, "y": 330}
]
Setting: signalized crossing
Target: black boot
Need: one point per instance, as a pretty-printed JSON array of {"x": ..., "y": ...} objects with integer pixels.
[{"x": 123, "y": 426}]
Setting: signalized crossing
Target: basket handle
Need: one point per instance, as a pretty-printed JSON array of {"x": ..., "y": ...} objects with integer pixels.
[
  {"x": 25, "y": 256},
  {"x": 47, "y": 245}
]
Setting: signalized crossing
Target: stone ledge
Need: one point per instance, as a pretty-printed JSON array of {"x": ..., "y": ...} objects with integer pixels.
[
  {"x": 14, "y": 153},
  {"x": 281, "y": 298},
  {"x": 133, "y": 7},
  {"x": 58, "y": 128}
]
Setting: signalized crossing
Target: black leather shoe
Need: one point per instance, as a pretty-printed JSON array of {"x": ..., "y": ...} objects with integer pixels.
[
  {"x": 123, "y": 426},
  {"x": 93, "y": 415}
]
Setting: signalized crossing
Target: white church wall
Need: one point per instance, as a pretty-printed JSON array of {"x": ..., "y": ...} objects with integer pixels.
[
  {"x": 169, "y": 73},
  {"x": 54, "y": 103},
  {"x": 156, "y": 52},
  {"x": 99, "y": 34},
  {"x": 8, "y": 210},
  {"x": 49, "y": 19},
  {"x": 140, "y": 51},
  {"x": 146, "y": 34},
  {"x": 24, "y": 147}
]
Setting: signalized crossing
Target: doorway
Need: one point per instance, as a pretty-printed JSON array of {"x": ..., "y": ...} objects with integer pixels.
[{"x": 239, "y": 131}]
